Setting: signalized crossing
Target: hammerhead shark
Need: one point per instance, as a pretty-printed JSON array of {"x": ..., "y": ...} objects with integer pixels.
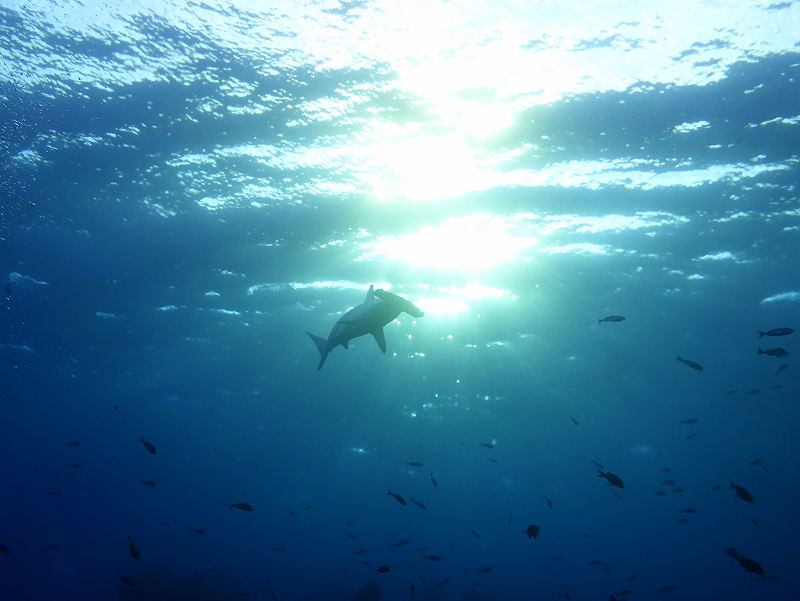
[{"x": 378, "y": 309}]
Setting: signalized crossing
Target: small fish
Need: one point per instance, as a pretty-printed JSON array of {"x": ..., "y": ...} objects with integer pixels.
[
  {"x": 679, "y": 490},
  {"x": 74, "y": 465},
  {"x": 475, "y": 533},
  {"x": 773, "y": 352},
  {"x": 488, "y": 445},
  {"x": 755, "y": 522},
  {"x": 690, "y": 420},
  {"x": 660, "y": 493},
  {"x": 742, "y": 493},
  {"x": 716, "y": 487},
  {"x": 669, "y": 482},
  {"x": 611, "y": 319},
  {"x": 149, "y": 446},
  {"x": 3, "y": 549},
  {"x": 484, "y": 570},
  {"x": 74, "y": 443},
  {"x": 290, "y": 512},
  {"x": 413, "y": 590},
  {"x": 132, "y": 549},
  {"x": 613, "y": 479},
  {"x": 242, "y": 506},
  {"x": 776, "y": 332},
  {"x": 55, "y": 493},
  {"x": 432, "y": 557},
  {"x": 690, "y": 363},
  {"x": 351, "y": 536},
  {"x": 781, "y": 368},
  {"x": 443, "y": 582},
  {"x": 666, "y": 470},
  {"x": 280, "y": 549},
  {"x": 548, "y": 501},
  {"x": 668, "y": 589},
  {"x": 126, "y": 581},
  {"x": 414, "y": 463},
  {"x": 492, "y": 460},
  {"x": 384, "y": 569},
  {"x": 575, "y": 421},
  {"x": 434, "y": 482},
  {"x": 360, "y": 551},
  {"x": 690, "y": 436},
  {"x": 401, "y": 543},
  {"x": 148, "y": 483},
  {"x": 397, "y": 498},
  {"x": 753, "y": 391},
  {"x": 532, "y": 531},
  {"x": 197, "y": 531},
  {"x": 688, "y": 510},
  {"x": 756, "y": 461},
  {"x": 748, "y": 564},
  {"x": 730, "y": 392}
]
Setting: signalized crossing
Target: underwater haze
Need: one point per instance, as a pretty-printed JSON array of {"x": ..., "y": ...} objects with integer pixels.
[{"x": 574, "y": 225}]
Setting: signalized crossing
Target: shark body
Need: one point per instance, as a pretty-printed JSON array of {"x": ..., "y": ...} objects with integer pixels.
[{"x": 378, "y": 309}]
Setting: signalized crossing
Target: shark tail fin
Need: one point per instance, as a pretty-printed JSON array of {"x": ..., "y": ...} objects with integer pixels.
[{"x": 321, "y": 344}]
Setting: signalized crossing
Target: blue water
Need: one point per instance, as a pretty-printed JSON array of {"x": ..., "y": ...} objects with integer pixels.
[{"x": 187, "y": 188}]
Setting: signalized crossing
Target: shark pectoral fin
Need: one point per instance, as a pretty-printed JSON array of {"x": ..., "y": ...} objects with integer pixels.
[
  {"x": 379, "y": 338},
  {"x": 370, "y": 294}
]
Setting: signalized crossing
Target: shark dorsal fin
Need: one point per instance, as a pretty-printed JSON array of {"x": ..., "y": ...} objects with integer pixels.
[
  {"x": 379, "y": 338},
  {"x": 370, "y": 294}
]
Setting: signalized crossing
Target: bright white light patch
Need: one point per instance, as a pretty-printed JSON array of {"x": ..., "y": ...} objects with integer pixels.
[
  {"x": 718, "y": 256},
  {"x": 792, "y": 295},
  {"x": 471, "y": 243}
]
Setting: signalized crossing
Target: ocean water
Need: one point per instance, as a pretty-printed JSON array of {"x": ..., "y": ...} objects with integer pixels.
[{"x": 187, "y": 188}]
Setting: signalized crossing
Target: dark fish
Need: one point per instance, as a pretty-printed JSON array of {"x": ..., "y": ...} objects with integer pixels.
[
  {"x": 690, "y": 363},
  {"x": 475, "y": 533},
  {"x": 306, "y": 507},
  {"x": 484, "y": 570},
  {"x": 55, "y": 493},
  {"x": 748, "y": 564},
  {"x": 753, "y": 391},
  {"x": 443, "y": 582},
  {"x": 532, "y": 531},
  {"x": 413, "y": 590},
  {"x": 613, "y": 479},
  {"x": 434, "y": 482},
  {"x": 74, "y": 465},
  {"x": 197, "y": 530},
  {"x": 509, "y": 521},
  {"x": 575, "y": 421},
  {"x": 401, "y": 543},
  {"x": 280, "y": 549},
  {"x": 492, "y": 460},
  {"x": 3, "y": 549},
  {"x": 8, "y": 288},
  {"x": 598, "y": 464},
  {"x": 782, "y": 367},
  {"x": 406, "y": 528},
  {"x": 757, "y": 461},
  {"x": 689, "y": 421},
  {"x": 149, "y": 446},
  {"x": 74, "y": 443},
  {"x": 488, "y": 445},
  {"x": 755, "y": 522},
  {"x": 242, "y": 506},
  {"x": 548, "y": 501},
  {"x": 678, "y": 490},
  {"x": 132, "y": 548},
  {"x": 688, "y": 510},
  {"x": 148, "y": 483},
  {"x": 432, "y": 557},
  {"x": 351, "y": 536},
  {"x": 716, "y": 487},
  {"x": 364, "y": 562},
  {"x": 611, "y": 319},
  {"x": 666, "y": 470},
  {"x": 669, "y": 482},
  {"x": 773, "y": 352},
  {"x": 730, "y": 392},
  {"x": 668, "y": 589},
  {"x": 742, "y": 493},
  {"x": 384, "y": 569},
  {"x": 397, "y": 498},
  {"x": 414, "y": 463},
  {"x": 360, "y": 551},
  {"x": 419, "y": 504},
  {"x": 290, "y": 512},
  {"x": 126, "y": 581},
  {"x": 660, "y": 493},
  {"x": 690, "y": 436},
  {"x": 775, "y": 332}
]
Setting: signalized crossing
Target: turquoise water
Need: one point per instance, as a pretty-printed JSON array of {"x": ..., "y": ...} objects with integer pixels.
[{"x": 188, "y": 188}]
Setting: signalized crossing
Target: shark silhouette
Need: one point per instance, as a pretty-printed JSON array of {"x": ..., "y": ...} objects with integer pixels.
[{"x": 378, "y": 309}]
